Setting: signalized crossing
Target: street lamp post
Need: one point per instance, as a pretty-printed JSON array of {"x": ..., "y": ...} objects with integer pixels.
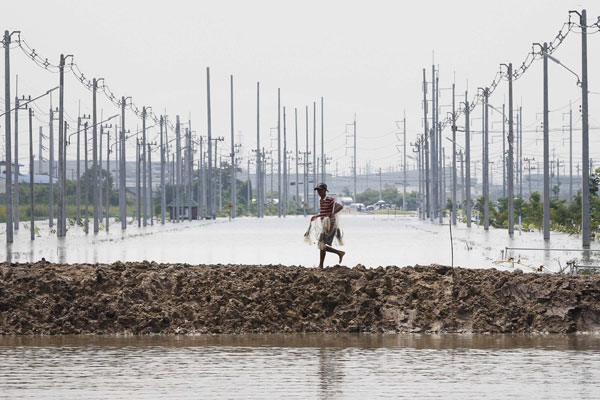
[
  {"x": 585, "y": 195},
  {"x": 546, "y": 207}
]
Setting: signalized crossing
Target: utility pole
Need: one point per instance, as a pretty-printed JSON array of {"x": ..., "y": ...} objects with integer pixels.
[
  {"x": 143, "y": 167},
  {"x": 453, "y": 157},
  {"x": 185, "y": 174},
  {"x": 51, "y": 166},
  {"x": 585, "y": 187},
  {"x": 217, "y": 140},
  {"x": 95, "y": 157},
  {"x": 122, "y": 171},
  {"x": 60, "y": 164},
  {"x": 417, "y": 150},
  {"x": 520, "y": 124},
  {"x": 503, "y": 152},
  {"x": 233, "y": 171},
  {"x": 163, "y": 195},
  {"x": 263, "y": 178},
  {"x": 100, "y": 193},
  {"x": 421, "y": 155},
  {"x": 61, "y": 154},
  {"x": 203, "y": 179},
  {"x": 323, "y": 161},
  {"x": 285, "y": 165},
  {"x": 404, "y": 162},
  {"x": 220, "y": 186},
  {"x": 31, "y": 205},
  {"x": 248, "y": 192},
  {"x": 62, "y": 141},
  {"x": 558, "y": 174},
  {"x": 306, "y": 170},
  {"x": 178, "y": 177},
  {"x": 16, "y": 158},
  {"x": 78, "y": 194},
  {"x": 258, "y": 157},
  {"x": 278, "y": 154},
  {"x": 172, "y": 173},
  {"x": 439, "y": 147},
  {"x": 529, "y": 172},
  {"x": 546, "y": 148},
  {"x": 426, "y": 148},
  {"x": 510, "y": 167},
  {"x": 314, "y": 193},
  {"x": 107, "y": 177},
  {"x": 7, "y": 140},
  {"x": 441, "y": 178},
  {"x": 8, "y": 174},
  {"x": 87, "y": 177},
  {"x": 190, "y": 169},
  {"x": 462, "y": 176},
  {"x": 354, "y": 169},
  {"x": 486, "y": 182},
  {"x": 297, "y": 156},
  {"x": 271, "y": 175},
  {"x": 570, "y": 152},
  {"x": 149, "y": 185},
  {"x": 467, "y": 161},
  {"x": 211, "y": 206},
  {"x": 434, "y": 149},
  {"x": 443, "y": 182},
  {"x": 138, "y": 197},
  {"x": 380, "y": 184},
  {"x": 41, "y": 156}
]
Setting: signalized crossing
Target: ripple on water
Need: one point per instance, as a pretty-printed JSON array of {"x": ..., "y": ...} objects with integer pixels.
[{"x": 301, "y": 366}]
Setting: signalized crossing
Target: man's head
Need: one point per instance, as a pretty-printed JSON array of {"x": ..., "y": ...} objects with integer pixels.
[{"x": 321, "y": 189}]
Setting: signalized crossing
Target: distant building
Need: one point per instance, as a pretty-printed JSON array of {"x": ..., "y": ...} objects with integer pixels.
[{"x": 38, "y": 179}]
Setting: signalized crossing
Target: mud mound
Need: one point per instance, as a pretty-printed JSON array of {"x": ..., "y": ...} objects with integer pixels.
[{"x": 140, "y": 298}]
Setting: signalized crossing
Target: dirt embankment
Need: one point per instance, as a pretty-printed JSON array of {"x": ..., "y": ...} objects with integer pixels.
[{"x": 139, "y": 298}]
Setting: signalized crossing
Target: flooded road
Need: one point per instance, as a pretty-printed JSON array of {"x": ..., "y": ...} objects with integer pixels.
[
  {"x": 371, "y": 240},
  {"x": 301, "y": 366}
]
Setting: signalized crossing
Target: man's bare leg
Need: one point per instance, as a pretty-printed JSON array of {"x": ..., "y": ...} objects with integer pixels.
[
  {"x": 322, "y": 258},
  {"x": 340, "y": 253}
]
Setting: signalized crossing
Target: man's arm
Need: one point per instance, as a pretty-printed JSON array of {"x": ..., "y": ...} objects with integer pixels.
[
  {"x": 323, "y": 213},
  {"x": 337, "y": 207}
]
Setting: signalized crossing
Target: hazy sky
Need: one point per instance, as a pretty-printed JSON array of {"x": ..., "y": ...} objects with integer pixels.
[{"x": 362, "y": 57}]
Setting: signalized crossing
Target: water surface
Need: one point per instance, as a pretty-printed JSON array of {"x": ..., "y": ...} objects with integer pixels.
[
  {"x": 301, "y": 366},
  {"x": 371, "y": 240}
]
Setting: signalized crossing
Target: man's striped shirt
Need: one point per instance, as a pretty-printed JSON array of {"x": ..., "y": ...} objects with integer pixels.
[{"x": 326, "y": 208}]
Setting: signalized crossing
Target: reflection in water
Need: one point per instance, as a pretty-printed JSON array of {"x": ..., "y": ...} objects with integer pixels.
[
  {"x": 301, "y": 366},
  {"x": 61, "y": 249},
  {"x": 330, "y": 374},
  {"x": 9, "y": 252},
  {"x": 575, "y": 342}
]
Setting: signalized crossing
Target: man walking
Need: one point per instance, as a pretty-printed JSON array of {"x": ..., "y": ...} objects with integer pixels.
[{"x": 328, "y": 207}]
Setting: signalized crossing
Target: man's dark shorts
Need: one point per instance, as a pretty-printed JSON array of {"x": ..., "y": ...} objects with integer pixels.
[{"x": 327, "y": 237}]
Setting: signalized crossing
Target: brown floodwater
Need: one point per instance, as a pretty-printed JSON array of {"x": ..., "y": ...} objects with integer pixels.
[{"x": 301, "y": 366}]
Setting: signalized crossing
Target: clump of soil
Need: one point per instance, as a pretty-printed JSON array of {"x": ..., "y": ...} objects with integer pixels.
[{"x": 141, "y": 298}]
